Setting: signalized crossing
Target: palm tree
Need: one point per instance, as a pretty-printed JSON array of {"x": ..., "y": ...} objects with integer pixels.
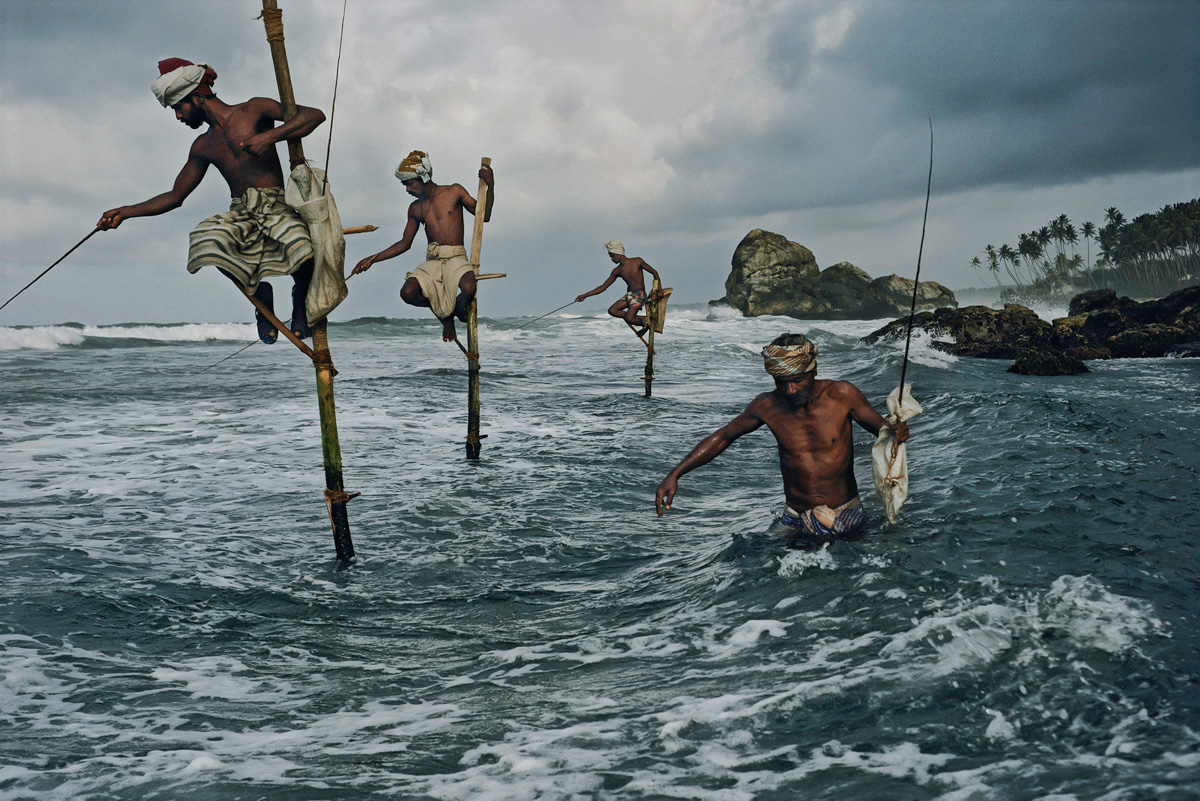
[
  {"x": 1008, "y": 255},
  {"x": 1089, "y": 233}
]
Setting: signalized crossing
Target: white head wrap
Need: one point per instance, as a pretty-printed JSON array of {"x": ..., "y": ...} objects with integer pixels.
[
  {"x": 178, "y": 83},
  {"x": 415, "y": 165},
  {"x": 613, "y": 246},
  {"x": 784, "y": 361}
]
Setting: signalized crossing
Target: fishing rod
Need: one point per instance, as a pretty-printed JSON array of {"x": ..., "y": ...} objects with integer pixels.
[
  {"x": 337, "y": 71},
  {"x": 52, "y": 266},
  {"x": 916, "y": 278},
  {"x": 547, "y": 314}
]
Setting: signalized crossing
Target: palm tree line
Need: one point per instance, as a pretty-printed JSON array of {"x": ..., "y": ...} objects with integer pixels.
[{"x": 1153, "y": 254}]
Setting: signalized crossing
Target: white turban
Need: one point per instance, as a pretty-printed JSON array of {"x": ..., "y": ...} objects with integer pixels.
[
  {"x": 177, "y": 84},
  {"x": 613, "y": 246},
  {"x": 415, "y": 165}
]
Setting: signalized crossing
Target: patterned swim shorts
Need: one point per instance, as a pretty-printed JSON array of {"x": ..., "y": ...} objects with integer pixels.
[
  {"x": 848, "y": 518},
  {"x": 636, "y": 298}
]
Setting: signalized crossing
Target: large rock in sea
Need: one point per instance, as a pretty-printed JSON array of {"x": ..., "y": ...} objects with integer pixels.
[
  {"x": 842, "y": 287},
  {"x": 772, "y": 275},
  {"x": 892, "y": 295},
  {"x": 1100, "y": 326}
]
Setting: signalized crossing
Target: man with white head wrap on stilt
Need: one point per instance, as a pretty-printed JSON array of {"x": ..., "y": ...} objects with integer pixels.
[
  {"x": 810, "y": 419},
  {"x": 261, "y": 236},
  {"x": 446, "y": 271},
  {"x": 630, "y": 270}
]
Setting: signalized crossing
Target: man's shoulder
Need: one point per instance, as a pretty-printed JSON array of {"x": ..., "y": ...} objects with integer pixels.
[
  {"x": 259, "y": 102},
  {"x": 763, "y": 403},
  {"x": 258, "y": 107},
  {"x": 837, "y": 390}
]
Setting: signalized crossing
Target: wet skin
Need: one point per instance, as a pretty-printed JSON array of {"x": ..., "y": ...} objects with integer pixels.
[
  {"x": 440, "y": 210},
  {"x": 240, "y": 143},
  {"x": 810, "y": 419},
  {"x": 630, "y": 271}
]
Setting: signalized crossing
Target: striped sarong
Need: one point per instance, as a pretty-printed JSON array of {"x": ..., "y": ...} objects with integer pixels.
[{"x": 259, "y": 237}]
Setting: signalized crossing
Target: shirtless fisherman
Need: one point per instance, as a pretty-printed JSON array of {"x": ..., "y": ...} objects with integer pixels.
[
  {"x": 630, "y": 271},
  {"x": 260, "y": 236},
  {"x": 810, "y": 419},
  {"x": 446, "y": 269}
]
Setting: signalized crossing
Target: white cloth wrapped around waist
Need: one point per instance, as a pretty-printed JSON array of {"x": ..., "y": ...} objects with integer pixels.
[{"x": 439, "y": 276}]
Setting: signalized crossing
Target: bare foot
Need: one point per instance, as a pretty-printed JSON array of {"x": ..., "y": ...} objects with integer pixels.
[{"x": 448, "y": 332}]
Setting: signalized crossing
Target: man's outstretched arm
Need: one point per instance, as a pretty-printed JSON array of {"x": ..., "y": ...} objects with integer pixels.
[
  {"x": 611, "y": 277},
  {"x": 410, "y": 232},
  {"x": 709, "y": 448},
  {"x": 187, "y": 180}
]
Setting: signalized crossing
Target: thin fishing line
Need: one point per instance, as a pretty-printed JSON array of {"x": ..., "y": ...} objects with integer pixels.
[
  {"x": 235, "y": 353},
  {"x": 547, "y": 314},
  {"x": 916, "y": 278},
  {"x": 333, "y": 106}
]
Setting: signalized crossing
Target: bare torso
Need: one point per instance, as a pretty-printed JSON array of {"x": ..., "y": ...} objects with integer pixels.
[
  {"x": 816, "y": 450},
  {"x": 442, "y": 213},
  {"x": 221, "y": 146},
  {"x": 630, "y": 271}
]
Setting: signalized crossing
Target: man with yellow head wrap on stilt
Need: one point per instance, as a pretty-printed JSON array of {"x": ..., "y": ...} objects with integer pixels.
[
  {"x": 810, "y": 418},
  {"x": 446, "y": 271}
]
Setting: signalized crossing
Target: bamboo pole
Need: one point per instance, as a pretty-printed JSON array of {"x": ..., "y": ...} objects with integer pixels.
[
  {"x": 649, "y": 375},
  {"x": 474, "y": 441},
  {"x": 335, "y": 493}
]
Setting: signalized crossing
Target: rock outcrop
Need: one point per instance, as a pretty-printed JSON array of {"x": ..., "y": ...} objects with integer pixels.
[
  {"x": 1099, "y": 326},
  {"x": 772, "y": 275},
  {"x": 769, "y": 274}
]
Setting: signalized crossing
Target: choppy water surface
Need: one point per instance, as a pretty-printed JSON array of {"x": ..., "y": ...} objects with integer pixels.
[{"x": 174, "y": 624}]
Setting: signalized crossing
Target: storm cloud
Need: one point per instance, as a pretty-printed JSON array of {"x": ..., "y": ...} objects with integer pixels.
[{"x": 675, "y": 126}]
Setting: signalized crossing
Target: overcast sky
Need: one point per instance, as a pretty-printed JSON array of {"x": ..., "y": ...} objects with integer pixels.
[{"x": 676, "y": 126}]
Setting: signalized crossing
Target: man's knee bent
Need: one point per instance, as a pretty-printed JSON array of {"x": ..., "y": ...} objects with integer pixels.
[{"x": 411, "y": 293}]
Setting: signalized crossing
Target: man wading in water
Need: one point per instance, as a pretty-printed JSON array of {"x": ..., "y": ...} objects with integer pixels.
[
  {"x": 260, "y": 236},
  {"x": 810, "y": 419},
  {"x": 446, "y": 271},
  {"x": 630, "y": 271}
]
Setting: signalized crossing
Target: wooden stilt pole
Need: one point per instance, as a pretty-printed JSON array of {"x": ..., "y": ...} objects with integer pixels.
[
  {"x": 474, "y": 441},
  {"x": 335, "y": 493},
  {"x": 649, "y": 376}
]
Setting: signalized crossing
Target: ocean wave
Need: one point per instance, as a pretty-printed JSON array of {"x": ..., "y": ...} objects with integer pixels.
[
  {"x": 42, "y": 337},
  {"x": 53, "y": 337}
]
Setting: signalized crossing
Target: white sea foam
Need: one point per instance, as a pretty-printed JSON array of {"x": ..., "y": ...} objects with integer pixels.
[
  {"x": 43, "y": 337},
  {"x": 190, "y": 332},
  {"x": 52, "y": 337},
  {"x": 793, "y": 564}
]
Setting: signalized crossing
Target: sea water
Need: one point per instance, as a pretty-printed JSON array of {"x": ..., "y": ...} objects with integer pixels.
[{"x": 174, "y": 624}]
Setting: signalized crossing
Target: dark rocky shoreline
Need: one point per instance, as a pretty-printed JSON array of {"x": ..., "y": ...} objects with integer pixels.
[{"x": 1099, "y": 325}]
